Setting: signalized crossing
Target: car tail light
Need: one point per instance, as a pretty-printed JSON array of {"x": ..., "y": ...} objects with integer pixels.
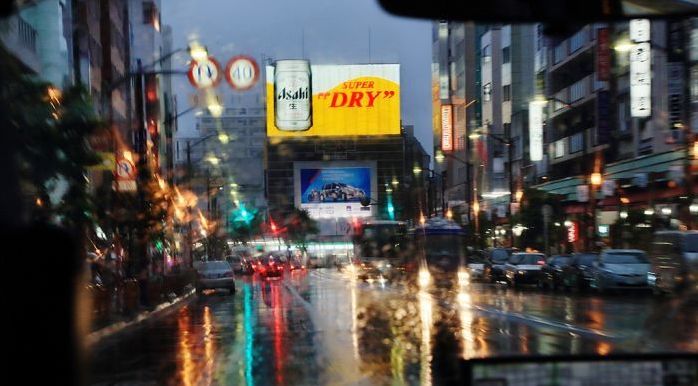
[{"x": 541, "y": 262}]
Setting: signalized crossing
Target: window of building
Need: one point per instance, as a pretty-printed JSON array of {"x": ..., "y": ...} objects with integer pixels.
[
  {"x": 576, "y": 143},
  {"x": 539, "y": 36},
  {"x": 506, "y": 93},
  {"x": 506, "y": 54},
  {"x": 487, "y": 92},
  {"x": 560, "y": 148},
  {"x": 149, "y": 12},
  {"x": 623, "y": 116}
]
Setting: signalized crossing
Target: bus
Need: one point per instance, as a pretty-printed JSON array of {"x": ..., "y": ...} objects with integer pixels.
[
  {"x": 379, "y": 248},
  {"x": 438, "y": 251}
]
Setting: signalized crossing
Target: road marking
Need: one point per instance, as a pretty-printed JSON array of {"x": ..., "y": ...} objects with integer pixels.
[{"x": 534, "y": 321}]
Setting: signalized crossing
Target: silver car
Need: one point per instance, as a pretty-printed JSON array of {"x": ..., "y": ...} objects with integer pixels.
[
  {"x": 214, "y": 274},
  {"x": 620, "y": 269}
]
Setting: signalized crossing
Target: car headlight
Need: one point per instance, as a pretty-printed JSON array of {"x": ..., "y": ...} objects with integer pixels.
[{"x": 521, "y": 272}]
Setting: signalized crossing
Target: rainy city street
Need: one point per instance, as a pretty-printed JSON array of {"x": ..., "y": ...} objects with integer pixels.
[{"x": 325, "y": 327}]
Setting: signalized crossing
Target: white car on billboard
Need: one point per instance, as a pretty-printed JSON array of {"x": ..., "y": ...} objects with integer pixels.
[{"x": 338, "y": 191}]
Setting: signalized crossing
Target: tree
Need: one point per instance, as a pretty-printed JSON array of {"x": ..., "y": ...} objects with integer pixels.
[
  {"x": 299, "y": 227},
  {"x": 530, "y": 216},
  {"x": 53, "y": 128}
]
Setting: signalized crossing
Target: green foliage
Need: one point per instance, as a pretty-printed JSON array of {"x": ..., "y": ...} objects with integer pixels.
[
  {"x": 53, "y": 131},
  {"x": 299, "y": 227},
  {"x": 531, "y": 217}
]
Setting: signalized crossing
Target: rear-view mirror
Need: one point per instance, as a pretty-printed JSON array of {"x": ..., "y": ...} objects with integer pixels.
[
  {"x": 546, "y": 11},
  {"x": 630, "y": 369}
]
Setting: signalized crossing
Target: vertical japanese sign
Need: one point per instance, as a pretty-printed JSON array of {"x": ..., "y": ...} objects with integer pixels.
[
  {"x": 640, "y": 69},
  {"x": 603, "y": 55},
  {"x": 572, "y": 232},
  {"x": 640, "y": 81},
  {"x": 447, "y": 128},
  {"x": 535, "y": 130}
]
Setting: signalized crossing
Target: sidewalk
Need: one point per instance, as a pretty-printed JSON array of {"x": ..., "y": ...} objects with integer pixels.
[{"x": 122, "y": 326}]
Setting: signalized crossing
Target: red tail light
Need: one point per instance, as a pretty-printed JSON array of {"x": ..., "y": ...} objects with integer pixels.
[{"x": 541, "y": 262}]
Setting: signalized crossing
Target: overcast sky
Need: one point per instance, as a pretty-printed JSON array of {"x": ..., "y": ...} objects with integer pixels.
[{"x": 335, "y": 31}]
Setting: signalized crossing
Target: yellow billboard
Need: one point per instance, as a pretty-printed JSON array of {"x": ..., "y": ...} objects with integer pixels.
[{"x": 347, "y": 100}]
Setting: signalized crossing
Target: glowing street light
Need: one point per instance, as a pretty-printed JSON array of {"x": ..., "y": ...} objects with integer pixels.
[
  {"x": 596, "y": 179},
  {"x": 439, "y": 157},
  {"x": 197, "y": 51},
  {"x": 624, "y": 46},
  {"x": 216, "y": 109},
  {"x": 495, "y": 194},
  {"x": 416, "y": 170}
]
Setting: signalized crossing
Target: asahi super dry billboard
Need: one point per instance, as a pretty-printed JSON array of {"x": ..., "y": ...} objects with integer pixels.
[{"x": 332, "y": 100}]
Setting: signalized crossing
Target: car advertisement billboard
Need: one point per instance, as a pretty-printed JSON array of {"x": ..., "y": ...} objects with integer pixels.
[
  {"x": 347, "y": 100},
  {"x": 334, "y": 189}
]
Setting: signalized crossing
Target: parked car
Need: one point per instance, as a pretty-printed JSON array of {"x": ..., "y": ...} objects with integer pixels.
[
  {"x": 620, "y": 269},
  {"x": 241, "y": 264},
  {"x": 494, "y": 264},
  {"x": 339, "y": 191},
  {"x": 577, "y": 274},
  {"x": 214, "y": 274},
  {"x": 673, "y": 262},
  {"x": 551, "y": 273},
  {"x": 476, "y": 265},
  {"x": 523, "y": 268}
]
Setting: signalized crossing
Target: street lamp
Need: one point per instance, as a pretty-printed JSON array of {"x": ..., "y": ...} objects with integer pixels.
[
  {"x": 439, "y": 157},
  {"x": 596, "y": 179},
  {"x": 417, "y": 170},
  {"x": 197, "y": 51}
]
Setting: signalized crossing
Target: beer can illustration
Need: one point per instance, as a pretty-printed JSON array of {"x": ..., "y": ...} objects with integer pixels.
[{"x": 293, "y": 95}]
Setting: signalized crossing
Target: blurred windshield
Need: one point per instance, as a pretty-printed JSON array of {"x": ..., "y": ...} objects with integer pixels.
[
  {"x": 500, "y": 255},
  {"x": 525, "y": 259},
  {"x": 214, "y": 266},
  {"x": 161, "y": 138},
  {"x": 691, "y": 243},
  {"x": 625, "y": 258},
  {"x": 586, "y": 260},
  {"x": 444, "y": 245}
]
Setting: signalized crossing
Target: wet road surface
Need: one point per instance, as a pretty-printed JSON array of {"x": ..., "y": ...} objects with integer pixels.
[{"x": 324, "y": 327}]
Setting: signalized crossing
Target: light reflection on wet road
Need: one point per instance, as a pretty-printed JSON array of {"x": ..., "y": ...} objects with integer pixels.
[{"x": 324, "y": 327}]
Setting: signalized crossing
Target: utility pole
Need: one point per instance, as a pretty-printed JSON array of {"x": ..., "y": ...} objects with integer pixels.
[
  {"x": 140, "y": 258},
  {"x": 510, "y": 171},
  {"x": 443, "y": 193}
]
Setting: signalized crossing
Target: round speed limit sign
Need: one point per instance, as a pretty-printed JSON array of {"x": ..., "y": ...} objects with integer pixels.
[{"x": 242, "y": 72}]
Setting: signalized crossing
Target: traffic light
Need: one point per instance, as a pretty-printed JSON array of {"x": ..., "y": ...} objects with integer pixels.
[
  {"x": 391, "y": 208},
  {"x": 242, "y": 214}
]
